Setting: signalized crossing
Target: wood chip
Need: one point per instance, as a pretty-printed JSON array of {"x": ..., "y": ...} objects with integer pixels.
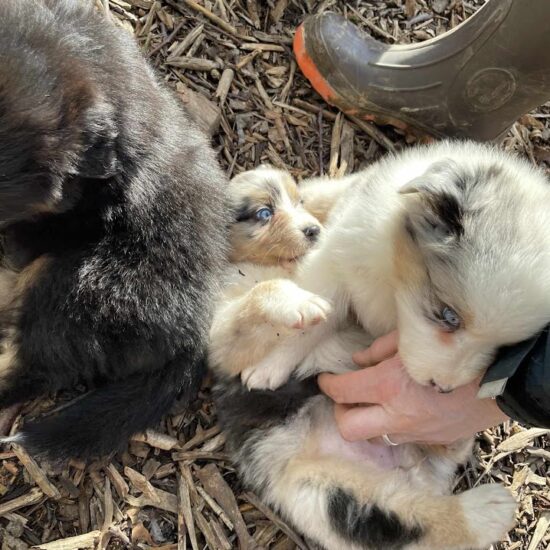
[
  {"x": 216, "y": 486},
  {"x": 203, "y": 111},
  {"x": 156, "y": 439},
  {"x": 277, "y": 12},
  {"x": 224, "y": 85},
  {"x": 262, "y": 47},
  {"x": 163, "y": 501},
  {"x": 206, "y": 530},
  {"x": 520, "y": 440},
  {"x": 108, "y": 507},
  {"x": 32, "y": 497},
  {"x": 38, "y": 475},
  {"x": 192, "y": 63},
  {"x": 252, "y": 9},
  {"x": 335, "y": 145},
  {"x": 80, "y": 542},
  {"x": 199, "y": 455},
  {"x": 201, "y": 437},
  {"x": 117, "y": 480},
  {"x": 185, "y": 516},
  {"x": 542, "y": 527},
  {"x": 140, "y": 482}
]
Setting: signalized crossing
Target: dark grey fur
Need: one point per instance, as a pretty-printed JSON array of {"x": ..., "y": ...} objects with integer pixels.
[
  {"x": 243, "y": 413},
  {"x": 103, "y": 173}
]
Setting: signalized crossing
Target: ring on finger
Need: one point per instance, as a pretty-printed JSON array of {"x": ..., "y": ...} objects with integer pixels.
[{"x": 388, "y": 441}]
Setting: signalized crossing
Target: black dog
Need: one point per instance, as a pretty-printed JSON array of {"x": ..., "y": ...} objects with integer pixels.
[{"x": 113, "y": 225}]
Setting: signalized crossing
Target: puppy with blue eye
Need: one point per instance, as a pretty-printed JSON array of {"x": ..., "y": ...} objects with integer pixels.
[
  {"x": 273, "y": 228},
  {"x": 449, "y": 243}
]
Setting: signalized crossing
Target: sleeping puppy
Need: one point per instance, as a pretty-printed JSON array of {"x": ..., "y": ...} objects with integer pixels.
[
  {"x": 113, "y": 229},
  {"x": 272, "y": 231},
  {"x": 450, "y": 244}
]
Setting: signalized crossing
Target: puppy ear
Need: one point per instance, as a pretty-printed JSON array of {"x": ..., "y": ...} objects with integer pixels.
[
  {"x": 444, "y": 175},
  {"x": 99, "y": 157},
  {"x": 434, "y": 204}
]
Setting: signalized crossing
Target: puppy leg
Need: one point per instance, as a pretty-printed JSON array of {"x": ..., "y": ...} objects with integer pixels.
[
  {"x": 277, "y": 366},
  {"x": 247, "y": 328},
  {"x": 346, "y": 504}
]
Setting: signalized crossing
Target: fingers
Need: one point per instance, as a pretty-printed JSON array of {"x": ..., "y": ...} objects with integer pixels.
[
  {"x": 382, "y": 348},
  {"x": 360, "y": 423},
  {"x": 373, "y": 385}
]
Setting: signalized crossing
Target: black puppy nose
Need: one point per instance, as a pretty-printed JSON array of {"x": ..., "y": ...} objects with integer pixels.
[
  {"x": 441, "y": 389},
  {"x": 312, "y": 232}
]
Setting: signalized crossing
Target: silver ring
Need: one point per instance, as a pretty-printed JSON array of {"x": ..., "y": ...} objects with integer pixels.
[{"x": 388, "y": 441}]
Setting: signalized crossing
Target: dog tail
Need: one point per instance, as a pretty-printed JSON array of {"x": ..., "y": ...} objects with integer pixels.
[{"x": 103, "y": 420}]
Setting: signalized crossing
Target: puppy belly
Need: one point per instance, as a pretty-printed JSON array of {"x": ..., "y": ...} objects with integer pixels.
[{"x": 331, "y": 443}]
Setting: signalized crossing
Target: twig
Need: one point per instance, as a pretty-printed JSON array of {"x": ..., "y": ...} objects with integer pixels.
[
  {"x": 207, "y": 13},
  {"x": 370, "y": 129},
  {"x": 168, "y": 39}
]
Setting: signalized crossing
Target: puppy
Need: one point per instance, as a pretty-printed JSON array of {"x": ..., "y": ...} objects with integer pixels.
[
  {"x": 113, "y": 228},
  {"x": 448, "y": 243},
  {"x": 272, "y": 230}
]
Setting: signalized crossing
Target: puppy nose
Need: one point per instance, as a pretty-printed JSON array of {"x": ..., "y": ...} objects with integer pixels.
[
  {"x": 312, "y": 232},
  {"x": 441, "y": 389}
]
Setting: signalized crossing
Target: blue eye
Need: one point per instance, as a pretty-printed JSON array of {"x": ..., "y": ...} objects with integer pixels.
[
  {"x": 450, "y": 319},
  {"x": 263, "y": 214}
]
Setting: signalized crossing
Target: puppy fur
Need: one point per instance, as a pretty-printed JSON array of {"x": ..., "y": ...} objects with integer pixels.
[
  {"x": 265, "y": 251},
  {"x": 448, "y": 243},
  {"x": 113, "y": 230}
]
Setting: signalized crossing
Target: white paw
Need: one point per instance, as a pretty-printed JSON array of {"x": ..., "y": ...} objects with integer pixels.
[
  {"x": 299, "y": 310},
  {"x": 262, "y": 378},
  {"x": 490, "y": 512}
]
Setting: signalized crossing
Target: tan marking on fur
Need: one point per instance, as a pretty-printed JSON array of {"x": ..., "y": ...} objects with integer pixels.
[
  {"x": 8, "y": 358},
  {"x": 48, "y": 207},
  {"x": 247, "y": 336},
  {"x": 271, "y": 244},
  {"x": 408, "y": 265},
  {"x": 291, "y": 188},
  {"x": 8, "y": 280},
  {"x": 445, "y": 337},
  {"x": 468, "y": 318},
  {"x": 13, "y": 287},
  {"x": 441, "y": 517},
  {"x": 30, "y": 274},
  {"x": 319, "y": 207}
]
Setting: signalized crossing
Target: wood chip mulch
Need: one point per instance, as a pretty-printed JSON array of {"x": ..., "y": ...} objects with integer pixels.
[{"x": 174, "y": 488}]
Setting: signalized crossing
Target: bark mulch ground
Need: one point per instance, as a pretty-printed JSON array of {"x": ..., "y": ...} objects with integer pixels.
[{"x": 174, "y": 488}]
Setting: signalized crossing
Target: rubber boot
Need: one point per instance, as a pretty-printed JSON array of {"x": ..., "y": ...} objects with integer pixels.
[{"x": 473, "y": 82}]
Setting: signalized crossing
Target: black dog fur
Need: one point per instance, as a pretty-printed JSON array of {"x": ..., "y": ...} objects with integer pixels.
[{"x": 113, "y": 228}]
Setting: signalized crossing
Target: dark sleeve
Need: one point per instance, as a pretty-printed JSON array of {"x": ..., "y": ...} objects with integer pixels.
[{"x": 524, "y": 373}]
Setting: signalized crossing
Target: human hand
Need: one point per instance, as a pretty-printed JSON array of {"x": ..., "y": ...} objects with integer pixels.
[{"x": 383, "y": 399}]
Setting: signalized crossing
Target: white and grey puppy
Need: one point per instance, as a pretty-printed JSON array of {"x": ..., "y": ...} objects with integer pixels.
[{"x": 450, "y": 244}]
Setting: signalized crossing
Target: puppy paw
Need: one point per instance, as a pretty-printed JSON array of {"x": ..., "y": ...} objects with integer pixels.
[
  {"x": 299, "y": 310},
  {"x": 258, "y": 378},
  {"x": 490, "y": 512}
]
